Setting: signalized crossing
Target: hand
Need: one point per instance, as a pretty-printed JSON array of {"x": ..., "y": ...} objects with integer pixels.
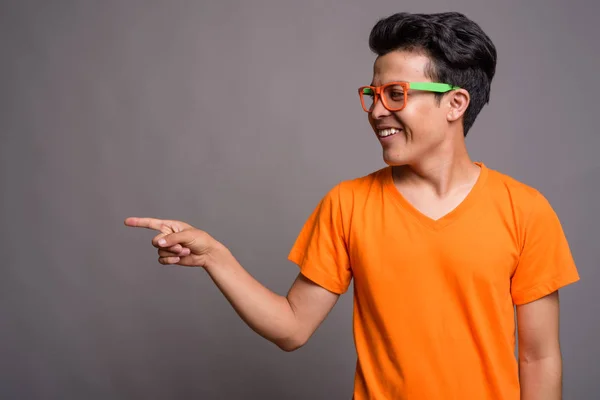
[{"x": 178, "y": 243}]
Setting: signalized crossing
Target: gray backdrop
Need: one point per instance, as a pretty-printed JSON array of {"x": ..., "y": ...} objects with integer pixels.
[{"x": 237, "y": 117}]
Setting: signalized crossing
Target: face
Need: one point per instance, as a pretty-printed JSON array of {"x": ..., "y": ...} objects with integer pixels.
[{"x": 422, "y": 126}]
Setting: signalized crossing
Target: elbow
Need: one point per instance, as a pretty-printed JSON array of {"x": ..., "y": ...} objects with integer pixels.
[
  {"x": 530, "y": 354},
  {"x": 290, "y": 344}
]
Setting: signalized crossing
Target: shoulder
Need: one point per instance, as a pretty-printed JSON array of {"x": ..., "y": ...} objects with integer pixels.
[
  {"x": 501, "y": 182},
  {"x": 340, "y": 201},
  {"x": 349, "y": 190},
  {"x": 506, "y": 187},
  {"x": 342, "y": 196},
  {"x": 522, "y": 199},
  {"x": 347, "y": 194}
]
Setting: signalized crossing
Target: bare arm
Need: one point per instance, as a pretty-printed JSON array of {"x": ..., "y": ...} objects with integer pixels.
[
  {"x": 287, "y": 321},
  {"x": 540, "y": 361}
]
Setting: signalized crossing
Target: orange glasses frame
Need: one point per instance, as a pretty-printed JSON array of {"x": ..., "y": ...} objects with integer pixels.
[{"x": 424, "y": 86}]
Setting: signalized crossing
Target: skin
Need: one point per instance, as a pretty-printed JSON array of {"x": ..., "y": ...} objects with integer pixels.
[
  {"x": 287, "y": 321},
  {"x": 540, "y": 359},
  {"x": 433, "y": 171},
  {"x": 431, "y": 166}
]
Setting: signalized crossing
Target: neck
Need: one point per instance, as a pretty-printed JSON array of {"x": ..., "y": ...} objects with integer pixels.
[{"x": 448, "y": 169}]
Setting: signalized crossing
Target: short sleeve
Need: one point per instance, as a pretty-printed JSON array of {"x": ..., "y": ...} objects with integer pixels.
[
  {"x": 320, "y": 249},
  {"x": 546, "y": 263}
]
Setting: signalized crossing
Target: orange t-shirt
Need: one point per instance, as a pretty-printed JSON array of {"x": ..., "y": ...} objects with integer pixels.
[{"x": 434, "y": 299}]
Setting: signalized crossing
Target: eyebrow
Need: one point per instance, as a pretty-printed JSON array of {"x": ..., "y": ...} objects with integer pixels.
[{"x": 389, "y": 81}]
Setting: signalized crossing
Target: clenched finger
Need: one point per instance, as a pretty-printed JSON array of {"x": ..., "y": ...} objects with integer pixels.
[
  {"x": 168, "y": 260},
  {"x": 179, "y": 250},
  {"x": 166, "y": 253}
]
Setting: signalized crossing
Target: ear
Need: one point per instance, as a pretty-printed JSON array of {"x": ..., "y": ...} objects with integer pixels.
[{"x": 458, "y": 101}]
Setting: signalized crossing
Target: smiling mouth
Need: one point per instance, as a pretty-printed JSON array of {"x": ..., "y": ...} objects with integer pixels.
[{"x": 383, "y": 133}]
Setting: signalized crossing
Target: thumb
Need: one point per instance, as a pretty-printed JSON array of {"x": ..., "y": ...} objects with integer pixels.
[{"x": 185, "y": 238}]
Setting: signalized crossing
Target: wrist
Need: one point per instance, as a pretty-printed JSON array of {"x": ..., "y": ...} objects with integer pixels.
[{"x": 218, "y": 256}]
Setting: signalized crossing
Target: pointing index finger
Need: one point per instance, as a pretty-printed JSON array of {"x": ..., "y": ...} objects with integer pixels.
[{"x": 149, "y": 223}]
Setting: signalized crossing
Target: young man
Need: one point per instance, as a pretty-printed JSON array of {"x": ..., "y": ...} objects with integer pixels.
[{"x": 440, "y": 248}]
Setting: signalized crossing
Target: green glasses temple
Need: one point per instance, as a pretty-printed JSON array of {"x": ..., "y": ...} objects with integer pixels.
[{"x": 427, "y": 86}]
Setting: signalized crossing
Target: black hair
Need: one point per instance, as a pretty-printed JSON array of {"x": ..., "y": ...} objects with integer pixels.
[{"x": 461, "y": 53}]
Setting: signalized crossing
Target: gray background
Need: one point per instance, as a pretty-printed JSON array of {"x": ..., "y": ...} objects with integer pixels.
[{"x": 237, "y": 117}]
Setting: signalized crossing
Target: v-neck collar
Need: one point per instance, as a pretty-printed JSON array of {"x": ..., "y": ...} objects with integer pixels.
[{"x": 448, "y": 218}]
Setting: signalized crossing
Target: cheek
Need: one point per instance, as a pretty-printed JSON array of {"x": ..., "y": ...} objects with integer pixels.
[
  {"x": 421, "y": 119},
  {"x": 411, "y": 120},
  {"x": 371, "y": 120}
]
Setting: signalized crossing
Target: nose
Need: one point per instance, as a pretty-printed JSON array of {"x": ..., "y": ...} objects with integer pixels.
[{"x": 379, "y": 111}]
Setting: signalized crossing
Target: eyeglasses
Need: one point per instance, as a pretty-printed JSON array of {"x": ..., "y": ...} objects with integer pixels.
[{"x": 394, "y": 95}]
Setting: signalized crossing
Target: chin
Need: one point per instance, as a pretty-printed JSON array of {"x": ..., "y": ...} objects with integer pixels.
[
  {"x": 395, "y": 158},
  {"x": 395, "y": 161}
]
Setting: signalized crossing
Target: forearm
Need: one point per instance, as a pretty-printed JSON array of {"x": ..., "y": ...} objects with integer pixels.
[
  {"x": 541, "y": 379},
  {"x": 267, "y": 313}
]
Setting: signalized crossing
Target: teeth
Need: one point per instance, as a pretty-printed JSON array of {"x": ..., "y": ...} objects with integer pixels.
[{"x": 388, "y": 132}]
